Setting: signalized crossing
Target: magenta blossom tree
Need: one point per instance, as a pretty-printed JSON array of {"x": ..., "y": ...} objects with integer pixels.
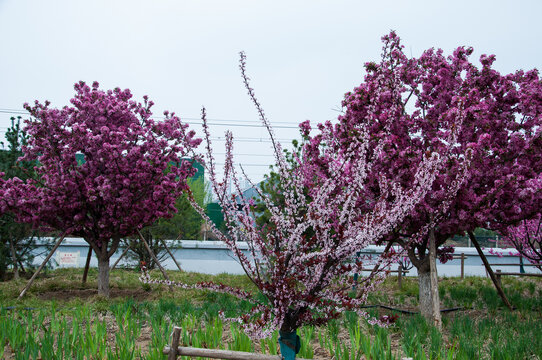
[
  {"x": 130, "y": 169},
  {"x": 409, "y": 107},
  {"x": 303, "y": 261}
]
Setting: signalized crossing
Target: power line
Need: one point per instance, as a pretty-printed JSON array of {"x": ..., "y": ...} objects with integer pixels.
[
  {"x": 215, "y": 122},
  {"x": 248, "y": 139},
  {"x": 13, "y": 111},
  {"x": 238, "y": 120},
  {"x": 245, "y": 125},
  {"x": 245, "y": 154},
  {"x": 235, "y": 139},
  {"x": 227, "y": 124},
  {"x": 198, "y": 121},
  {"x": 241, "y": 164}
]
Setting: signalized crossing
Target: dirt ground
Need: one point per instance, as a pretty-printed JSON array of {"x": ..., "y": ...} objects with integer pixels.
[{"x": 85, "y": 294}]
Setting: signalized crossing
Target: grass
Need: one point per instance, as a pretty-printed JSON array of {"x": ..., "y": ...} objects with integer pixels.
[{"x": 63, "y": 319}]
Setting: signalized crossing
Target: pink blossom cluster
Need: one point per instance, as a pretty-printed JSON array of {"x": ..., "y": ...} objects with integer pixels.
[
  {"x": 499, "y": 253},
  {"x": 131, "y": 167}
]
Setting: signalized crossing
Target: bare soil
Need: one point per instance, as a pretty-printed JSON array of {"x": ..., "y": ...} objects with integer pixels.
[{"x": 85, "y": 294}]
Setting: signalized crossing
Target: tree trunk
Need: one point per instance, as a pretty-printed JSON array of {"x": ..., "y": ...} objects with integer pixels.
[
  {"x": 289, "y": 341},
  {"x": 103, "y": 255},
  {"x": 426, "y": 295},
  {"x": 428, "y": 283},
  {"x": 103, "y": 275}
]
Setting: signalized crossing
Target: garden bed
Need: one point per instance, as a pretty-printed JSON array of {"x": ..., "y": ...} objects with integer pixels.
[{"x": 61, "y": 316}]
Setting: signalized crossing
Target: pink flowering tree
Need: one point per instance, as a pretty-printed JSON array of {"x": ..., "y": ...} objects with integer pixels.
[
  {"x": 104, "y": 169},
  {"x": 303, "y": 261},
  {"x": 411, "y": 106},
  {"x": 526, "y": 238}
]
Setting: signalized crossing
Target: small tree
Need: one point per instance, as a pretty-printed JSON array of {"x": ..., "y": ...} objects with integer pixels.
[
  {"x": 409, "y": 105},
  {"x": 302, "y": 262},
  {"x": 526, "y": 238},
  {"x": 16, "y": 240},
  {"x": 125, "y": 181}
]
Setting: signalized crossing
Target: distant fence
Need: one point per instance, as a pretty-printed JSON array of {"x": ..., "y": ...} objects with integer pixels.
[
  {"x": 484, "y": 241},
  {"x": 213, "y": 257}
]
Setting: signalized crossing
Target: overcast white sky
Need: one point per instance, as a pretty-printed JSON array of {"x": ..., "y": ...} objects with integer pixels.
[{"x": 302, "y": 55}]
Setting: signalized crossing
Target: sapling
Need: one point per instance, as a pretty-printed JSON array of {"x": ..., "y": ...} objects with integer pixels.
[
  {"x": 302, "y": 261},
  {"x": 526, "y": 238}
]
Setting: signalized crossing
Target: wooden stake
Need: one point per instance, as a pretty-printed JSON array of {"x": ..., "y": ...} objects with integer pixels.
[
  {"x": 41, "y": 266},
  {"x": 120, "y": 257},
  {"x": 87, "y": 264},
  {"x": 400, "y": 276},
  {"x": 154, "y": 258},
  {"x": 489, "y": 270},
  {"x": 172, "y": 355},
  {"x": 170, "y": 254},
  {"x": 462, "y": 266}
]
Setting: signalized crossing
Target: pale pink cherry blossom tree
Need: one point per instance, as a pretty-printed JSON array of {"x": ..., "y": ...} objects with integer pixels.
[{"x": 302, "y": 262}]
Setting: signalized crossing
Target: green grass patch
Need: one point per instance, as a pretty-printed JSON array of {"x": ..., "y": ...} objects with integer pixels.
[{"x": 64, "y": 319}]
